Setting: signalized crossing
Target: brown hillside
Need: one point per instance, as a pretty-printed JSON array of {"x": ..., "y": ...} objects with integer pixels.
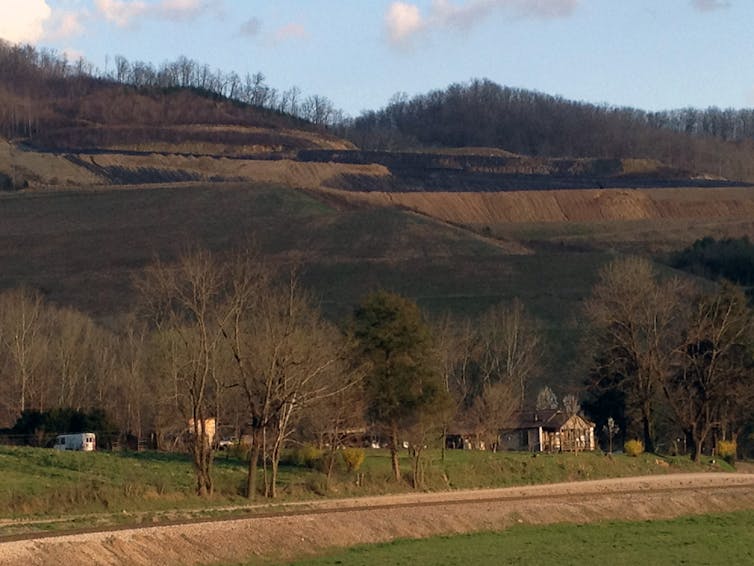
[
  {"x": 50, "y": 170},
  {"x": 581, "y": 205}
]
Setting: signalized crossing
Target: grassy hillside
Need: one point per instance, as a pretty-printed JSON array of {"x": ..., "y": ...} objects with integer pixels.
[
  {"x": 40, "y": 484},
  {"x": 83, "y": 248}
]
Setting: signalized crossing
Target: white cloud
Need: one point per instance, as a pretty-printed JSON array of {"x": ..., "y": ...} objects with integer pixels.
[
  {"x": 710, "y": 5},
  {"x": 404, "y": 21},
  {"x": 123, "y": 13},
  {"x": 22, "y": 21},
  {"x": 64, "y": 25}
]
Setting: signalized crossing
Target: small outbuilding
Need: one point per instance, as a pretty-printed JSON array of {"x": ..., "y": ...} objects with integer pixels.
[{"x": 548, "y": 431}]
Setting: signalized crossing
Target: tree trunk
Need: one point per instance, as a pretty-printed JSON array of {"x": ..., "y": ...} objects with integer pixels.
[
  {"x": 394, "y": 452},
  {"x": 416, "y": 479},
  {"x": 647, "y": 425},
  {"x": 251, "y": 478}
]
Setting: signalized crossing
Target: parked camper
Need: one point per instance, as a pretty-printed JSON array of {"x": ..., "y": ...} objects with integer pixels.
[{"x": 84, "y": 441}]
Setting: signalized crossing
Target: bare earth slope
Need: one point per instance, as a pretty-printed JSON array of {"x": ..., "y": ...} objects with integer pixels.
[
  {"x": 576, "y": 205},
  {"x": 303, "y": 529}
]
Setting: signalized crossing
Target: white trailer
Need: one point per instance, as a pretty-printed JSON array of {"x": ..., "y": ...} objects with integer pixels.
[{"x": 83, "y": 441}]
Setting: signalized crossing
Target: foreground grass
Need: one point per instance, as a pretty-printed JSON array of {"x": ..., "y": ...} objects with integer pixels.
[{"x": 705, "y": 539}]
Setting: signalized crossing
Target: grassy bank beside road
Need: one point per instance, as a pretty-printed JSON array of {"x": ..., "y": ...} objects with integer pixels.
[{"x": 42, "y": 487}]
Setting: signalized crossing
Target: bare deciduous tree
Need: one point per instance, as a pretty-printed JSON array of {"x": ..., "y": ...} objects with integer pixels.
[
  {"x": 636, "y": 321},
  {"x": 286, "y": 357},
  {"x": 571, "y": 405},
  {"x": 712, "y": 376},
  {"x": 187, "y": 303},
  {"x": 546, "y": 399},
  {"x": 511, "y": 347},
  {"x": 22, "y": 315}
]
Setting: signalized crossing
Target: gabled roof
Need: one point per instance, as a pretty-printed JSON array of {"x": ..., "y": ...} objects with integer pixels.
[{"x": 548, "y": 419}]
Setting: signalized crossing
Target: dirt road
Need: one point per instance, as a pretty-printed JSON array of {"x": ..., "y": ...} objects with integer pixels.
[{"x": 311, "y": 527}]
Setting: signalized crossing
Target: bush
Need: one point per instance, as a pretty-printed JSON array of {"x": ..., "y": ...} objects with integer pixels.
[
  {"x": 353, "y": 457},
  {"x": 633, "y": 448},
  {"x": 727, "y": 449},
  {"x": 306, "y": 456}
]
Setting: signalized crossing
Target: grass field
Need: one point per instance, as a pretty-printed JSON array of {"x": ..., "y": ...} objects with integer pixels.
[
  {"x": 699, "y": 540},
  {"x": 41, "y": 484}
]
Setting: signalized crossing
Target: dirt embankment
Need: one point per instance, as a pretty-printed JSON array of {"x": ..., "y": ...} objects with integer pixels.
[
  {"x": 578, "y": 205},
  {"x": 44, "y": 170},
  {"x": 305, "y": 529}
]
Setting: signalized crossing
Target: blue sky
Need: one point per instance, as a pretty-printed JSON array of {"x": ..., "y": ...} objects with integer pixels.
[{"x": 651, "y": 54}]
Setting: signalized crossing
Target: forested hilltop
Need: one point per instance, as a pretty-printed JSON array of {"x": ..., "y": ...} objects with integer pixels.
[
  {"x": 481, "y": 113},
  {"x": 48, "y": 102}
]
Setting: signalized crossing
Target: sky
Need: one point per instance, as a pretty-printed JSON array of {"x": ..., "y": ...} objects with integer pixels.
[{"x": 648, "y": 54}]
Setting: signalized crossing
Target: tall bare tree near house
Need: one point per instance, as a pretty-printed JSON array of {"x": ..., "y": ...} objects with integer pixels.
[
  {"x": 637, "y": 322},
  {"x": 302, "y": 358},
  {"x": 713, "y": 373},
  {"x": 456, "y": 345},
  {"x": 490, "y": 411},
  {"x": 333, "y": 421},
  {"x": 286, "y": 357},
  {"x": 187, "y": 303},
  {"x": 546, "y": 399},
  {"x": 511, "y": 347},
  {"x": 571, "y": 405}
]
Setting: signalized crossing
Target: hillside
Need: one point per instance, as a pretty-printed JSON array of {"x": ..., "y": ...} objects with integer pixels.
[
  {"x": 114, "y": 174},
  {"x": 48, "y": 105},
  {"x": 576, "y": 205}
]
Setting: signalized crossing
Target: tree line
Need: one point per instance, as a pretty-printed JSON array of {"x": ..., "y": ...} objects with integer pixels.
[
  {"x": 727, "y": 258},
  {"x": 481, "y": 113},
  {"x": 668, "y": 354},
  {"x": 226, "y": 342},
  {"x": 33, "y": 80}
]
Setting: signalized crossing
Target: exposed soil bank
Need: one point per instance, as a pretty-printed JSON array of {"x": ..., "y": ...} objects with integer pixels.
[
  {"x": 313, "y": 527},
  {"x": 579, "y": 205}
]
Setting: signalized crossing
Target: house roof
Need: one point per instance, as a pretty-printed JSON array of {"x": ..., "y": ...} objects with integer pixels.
[{"x": 548, "y": 419}]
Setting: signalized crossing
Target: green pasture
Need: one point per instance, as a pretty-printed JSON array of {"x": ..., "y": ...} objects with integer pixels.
[{"x": 692, "y": 541}]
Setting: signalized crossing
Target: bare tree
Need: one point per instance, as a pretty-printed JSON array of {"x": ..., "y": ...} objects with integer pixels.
[
  {"x": 286, "y": 357},
  {"x": 456, "y": 345},
  {"x": 490, "y": 412},
  {"x": 636, "y": 322},
  {"x": 22, "y": 320},
  {"x": 187, "y": 303},
  {"x": 546, "y": 399},
  {"x": 713, "y": 374},
  {"x": 511, "y": 347},
  {"x": 571, "y": 405}
]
